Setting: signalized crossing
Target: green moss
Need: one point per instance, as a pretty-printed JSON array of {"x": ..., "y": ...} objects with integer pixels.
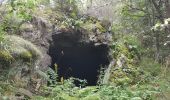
[
  {"x": 5, "y": 56},
  {"x": 89, "y": 25},
  {"x": 6, "y": 89},
  {"x": 127, "y": 55},
  {"x": 63, "y": 26},
  {"x": 19, "y": 49},
  {"x": 100, "y": 27},
  {"x": 26, "y": 56}
]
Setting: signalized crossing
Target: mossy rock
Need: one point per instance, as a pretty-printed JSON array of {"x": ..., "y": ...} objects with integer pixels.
[
  {"x": 15, "y": 49},
  {"x": 125, "y": 70},
  {"x": 17, "y": 60},
  {"x": 90, "y": 26},
  {"x": 26, "y": 56},
  {"x": 26, "y": 27}
]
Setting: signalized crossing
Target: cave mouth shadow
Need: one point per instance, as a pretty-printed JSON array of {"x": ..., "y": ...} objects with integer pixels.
[{"x": 77, "y": 59}]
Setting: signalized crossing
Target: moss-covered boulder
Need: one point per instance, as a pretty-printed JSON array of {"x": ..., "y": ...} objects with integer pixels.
[
  {"x": 126, "y": 54},
  {"x": 14, "y": 48},
  {"x": 18, "y": 58}
]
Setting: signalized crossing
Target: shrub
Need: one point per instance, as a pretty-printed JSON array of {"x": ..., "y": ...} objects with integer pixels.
[{"x": 148, "y": 65}]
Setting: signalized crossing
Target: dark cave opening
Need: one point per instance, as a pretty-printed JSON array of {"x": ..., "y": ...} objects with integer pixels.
[{"x": 77, "y": 59}]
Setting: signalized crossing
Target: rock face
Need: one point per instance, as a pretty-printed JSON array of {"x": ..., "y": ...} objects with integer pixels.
[
  {"x": 79, "y": 50},
  {"x": 39, "y": 33}
]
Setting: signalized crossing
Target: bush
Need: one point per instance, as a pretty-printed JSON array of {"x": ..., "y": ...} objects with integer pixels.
[{"x": 148, "y": 65}]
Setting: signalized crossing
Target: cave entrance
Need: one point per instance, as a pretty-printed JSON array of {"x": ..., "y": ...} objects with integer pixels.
[{"x": 77, "y": 59}]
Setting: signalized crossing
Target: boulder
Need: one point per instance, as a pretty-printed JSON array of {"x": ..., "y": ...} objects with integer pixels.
[{"x": 18, "y": 59}]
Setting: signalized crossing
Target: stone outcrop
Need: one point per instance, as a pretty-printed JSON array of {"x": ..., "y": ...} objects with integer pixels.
[
  {"x": 79, "y": 45},
  {"x": 55, "y": 35}
]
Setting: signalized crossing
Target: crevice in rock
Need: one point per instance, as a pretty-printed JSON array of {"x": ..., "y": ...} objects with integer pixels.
[{"x": 77, "y": 59}]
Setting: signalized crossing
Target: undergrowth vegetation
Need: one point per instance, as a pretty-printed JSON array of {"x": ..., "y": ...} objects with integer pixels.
[{"x": 68, "y": 91}]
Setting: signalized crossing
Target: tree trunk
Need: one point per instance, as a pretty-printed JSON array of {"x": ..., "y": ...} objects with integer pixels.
[
  {"x": 158, "y": 10},
  {"x": 157, "y": 42},
  {"x": 167, "y": 9}
]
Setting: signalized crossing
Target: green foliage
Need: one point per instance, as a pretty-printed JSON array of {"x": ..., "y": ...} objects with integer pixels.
[
  {"x": 126, "y": 52},
  {"x": 91, "y": 23},
  {"x": 68, "y": 7},
  {"x": 23, "y": 8},
  {"x": 16, "y": 12},
  {"x": 1, "y": 35},
  {"x": 128, "y": 45},
  {"x": 67, "y": 92},
  {"x": 52, "y": 77},
  {"x": 6, "y": 89},
  {"x": 150, "y": 66},
  {"x": 134, "y": 15}
]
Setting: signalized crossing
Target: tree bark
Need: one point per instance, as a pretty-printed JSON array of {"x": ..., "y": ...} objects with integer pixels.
[
  {"x": 167, "y": 8},
  {"x": 160, "y": 13},
  {"x": 156, "y": 34}
]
